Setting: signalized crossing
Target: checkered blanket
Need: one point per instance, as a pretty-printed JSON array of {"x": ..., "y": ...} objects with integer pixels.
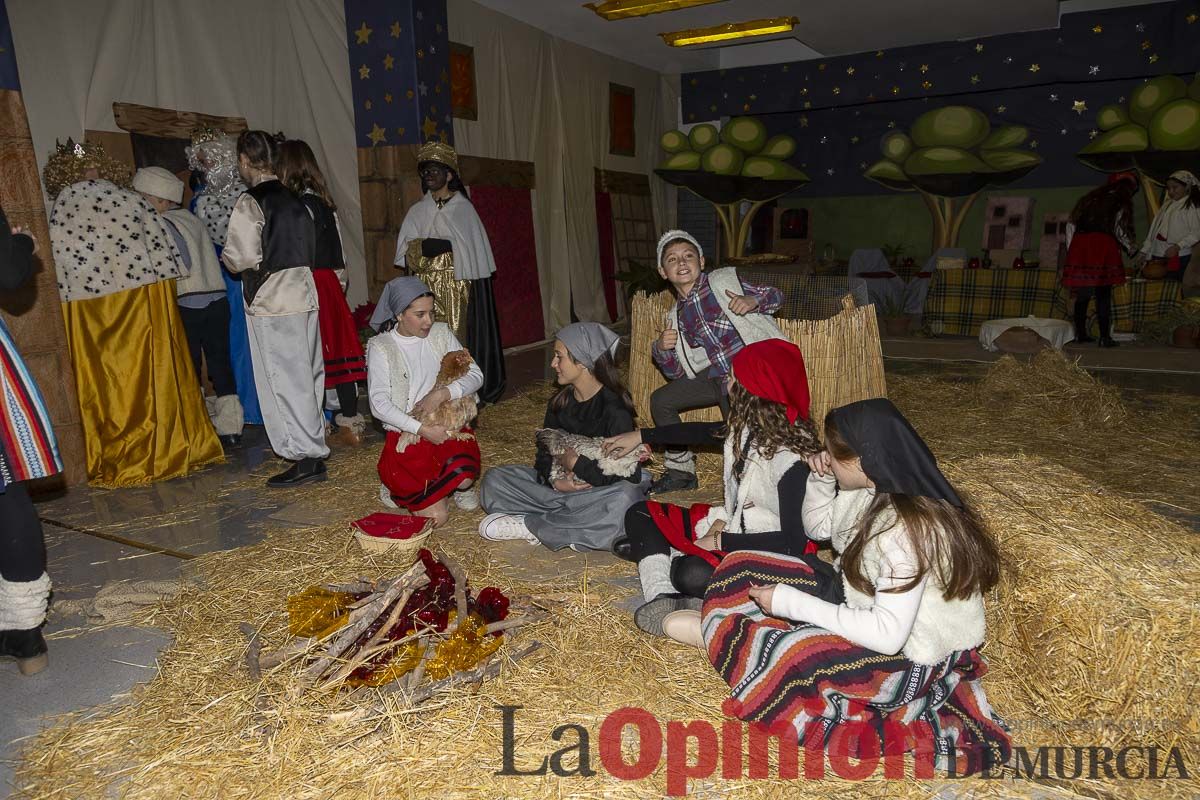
[
  {"x": 1133, "y": 304},
  {"x": 963, "y": 299}
]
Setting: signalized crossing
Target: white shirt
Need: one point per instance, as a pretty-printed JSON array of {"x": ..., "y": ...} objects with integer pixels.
[
  {"x": 423, "y": 366},
  {"x": 456, "y": 221}
]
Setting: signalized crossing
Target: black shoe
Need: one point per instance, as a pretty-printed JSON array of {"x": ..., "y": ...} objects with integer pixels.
[
  {"x": 1085, "y": 339},
  {"x": 306, "y": 470},
  {"x": 649, "y": 616},
  {"x": 673, "y": 481},
  {"x": 27, "y": 647},
  {"x": 231, "y": 440},
  {"x": 623, "y": 549},
  {"x": 1106, "y": 341}
]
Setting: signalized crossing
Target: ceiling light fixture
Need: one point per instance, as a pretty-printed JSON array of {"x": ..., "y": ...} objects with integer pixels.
[
  {"x": 624, "y": 9},
  {"x": 736, "y": 30}
]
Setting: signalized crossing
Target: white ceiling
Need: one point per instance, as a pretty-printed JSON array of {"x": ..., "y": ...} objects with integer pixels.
[{"x": 826, "y": 28}]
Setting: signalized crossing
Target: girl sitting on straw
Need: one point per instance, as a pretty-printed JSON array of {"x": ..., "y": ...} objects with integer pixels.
[
  {"x": 915, "y": 560},
  {"x": 583, "y": 510},
  {"x": 402, "y": 365},
  {"x": 766, "y": 442}
]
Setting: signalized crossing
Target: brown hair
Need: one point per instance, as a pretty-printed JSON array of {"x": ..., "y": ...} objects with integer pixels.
[
  {"x": 679, "y": 240},
  {"x": 768, "y": 426},
  {"x": 605, "y": 370},
  {"x": 259, "y": 147},
  {"x": 951, "y": 543},
  {"x": 1106, "y": 206},
  {"x": 297, "y": 168}
]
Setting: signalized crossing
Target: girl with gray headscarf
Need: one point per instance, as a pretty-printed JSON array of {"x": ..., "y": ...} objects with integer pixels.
[
  {"x": 403, "y": 362},
  {"x": 586, "y": 509}
]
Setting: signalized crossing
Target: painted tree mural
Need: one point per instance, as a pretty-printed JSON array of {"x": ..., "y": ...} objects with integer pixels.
[
  {"x": 1153, "y": 134},
  {"x": 949, "y": 156}
]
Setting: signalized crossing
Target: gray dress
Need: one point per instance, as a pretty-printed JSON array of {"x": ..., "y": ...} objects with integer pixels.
[{"x": 591, "y": 519}]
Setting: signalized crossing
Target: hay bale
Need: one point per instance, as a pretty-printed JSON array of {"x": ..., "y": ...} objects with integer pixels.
[
  {"x": 1050, "y": 387},
  {"x": 1092, "y": 630},
  {"x": 842, "y": 356}
]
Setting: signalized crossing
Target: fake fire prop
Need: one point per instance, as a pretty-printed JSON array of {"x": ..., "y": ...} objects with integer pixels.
[{"x": 396, "y": 633}]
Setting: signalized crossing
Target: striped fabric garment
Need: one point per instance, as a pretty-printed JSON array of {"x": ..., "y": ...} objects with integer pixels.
[
  {"x": 27, "y": 446},
  {"x": 819, "y": 682}
]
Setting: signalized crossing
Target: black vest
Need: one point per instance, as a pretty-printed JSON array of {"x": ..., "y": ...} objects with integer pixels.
[
  {"x": 288, "y": 235},
  {"x": 329, "y": 244}
]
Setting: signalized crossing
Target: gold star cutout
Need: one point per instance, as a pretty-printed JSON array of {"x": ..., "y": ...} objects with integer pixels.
[
  {"x": 926, "y": 85},
  {"x": 822, "y": 67},
  {"x": 409, "y": 94},
  {"x": 974, "y": 79},
  {"x": 1079, "y": 106},
  {"x": 429, "y": 128},
  {"x": 849, "y": 70},
  {"x": 804, "y": 91},
  {"x": 837, "y": 90},
  {"x": 1093, "y": 133},
  {"x": 712, "y": 108},
  {"x": 1145, "y": 44},
  {"x": 803, "y": 121},
  {"x": 853, "y": 140},
  {"x": 363, "y": 34},
  {"x": 388, "y": 61},
  {"x": 924, "y": 68},
  {"x": 367, "y": 105},
  {"x": 1097, "y": 29},
  {"x": 1034, "y": 67},
  {"x": 1153, "y": 57},
  {"x": 807, "y": 104},
  {"x": 400, "y": 131},
  {"x": 979, "y": 48},
  {"x": 420, "y": 54},
  {"x": 745, "y": 106},
  {"x": 1033, "y": 145},
  {"x": 364, "y": 72},
  {"x": 891, "y": 123},
  {"x": 1001, "y": 109},
  {"x": 895, "y": 90},
  {"x": 395, "y": 30},
  {"x": 377, "y": 135},
  {"x": 1191, "y": 18},
  {"x": 387, "y": 98},
  {"x": 694, "y": 82},
  {"x": 879, "y": 54}
]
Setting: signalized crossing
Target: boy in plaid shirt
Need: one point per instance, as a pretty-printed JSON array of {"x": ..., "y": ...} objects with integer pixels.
[{"x": 717, "y": 316}]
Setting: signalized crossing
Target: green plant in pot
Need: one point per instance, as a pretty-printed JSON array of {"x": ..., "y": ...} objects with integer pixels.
[
  {"x": 640, "y": 277},
  {"x": 1179, "y": 328},
  {"x": 893, "y": 318},
  {"x": 893, "y": 252}
]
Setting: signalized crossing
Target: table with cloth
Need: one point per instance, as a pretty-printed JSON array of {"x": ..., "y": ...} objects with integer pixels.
[{"x": 963, "y": 299}]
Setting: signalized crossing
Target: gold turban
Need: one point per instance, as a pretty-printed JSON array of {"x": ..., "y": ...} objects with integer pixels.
[{"x": 440, "y": 152}]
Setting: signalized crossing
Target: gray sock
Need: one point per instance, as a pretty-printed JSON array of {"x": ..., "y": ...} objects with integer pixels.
[{"x": 655, "y": 573}]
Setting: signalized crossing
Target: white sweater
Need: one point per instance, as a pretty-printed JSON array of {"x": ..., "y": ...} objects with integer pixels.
[
  {"x": 401, "y": 370},
  {"x": 923, "y": 624},
  {"x": 751, "y": 505}
]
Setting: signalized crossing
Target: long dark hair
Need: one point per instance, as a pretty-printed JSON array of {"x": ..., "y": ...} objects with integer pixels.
[
  {"x": 1101, "y": 209},
  {"x": 297, "y": 167},
  {"x": 951, "y": 543},
  {"x": 260, "y": 149},
  {"x": 605, "y": 370},
  {"x": 769, "y": 431}
]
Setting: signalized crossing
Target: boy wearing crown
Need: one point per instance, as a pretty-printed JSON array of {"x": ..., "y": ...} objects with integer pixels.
[{"x": 443, "y": 242}]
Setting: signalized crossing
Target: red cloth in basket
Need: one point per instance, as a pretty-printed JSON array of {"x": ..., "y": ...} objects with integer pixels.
[{"x": 391, "y": 526}]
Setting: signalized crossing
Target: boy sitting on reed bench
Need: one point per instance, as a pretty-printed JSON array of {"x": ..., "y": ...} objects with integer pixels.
[{"x": 718, "y": 315}]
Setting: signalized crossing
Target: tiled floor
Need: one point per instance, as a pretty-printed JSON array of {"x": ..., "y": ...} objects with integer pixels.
[{"x": 205, "y": 512}]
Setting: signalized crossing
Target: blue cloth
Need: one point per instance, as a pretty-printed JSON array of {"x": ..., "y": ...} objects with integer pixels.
[{"x": 239, "y": 350}]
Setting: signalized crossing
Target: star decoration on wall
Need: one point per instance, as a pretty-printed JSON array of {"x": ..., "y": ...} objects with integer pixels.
[
  {"x": 829, "y": 171},
  {"x": 785, "y": 67},
  {"x": 862, "y": 165},
  {"x": 1141, "y": 27},
  {"x": 803, "y": 121},
  {"x": 1063, "y": 132},
  {"x": 429, "y": 128},
  {"x": 438, "y": 27},
  {"x": 1053, "y": 98},
  {"x": 387, "y": 98},
  {"x": 1093, "y": 133},
  {"x": 395, "y": 30},
  {"x": 364, "y": 72},
  {"x": 1191, "y": 19},
  {"x": 367, "y": 105},
  {"x": 924, "y": 68},
  {"x": 388, "y": 61},
  {"x": 849, "y": 70},
  {"x": 1079, "y": 107},
  {"x": 1153, "y": 57},
  {"x": 1145, "y": 44},
  {"x": 409, "y": 95},
  {"x": 879, "y": 54},
  {"x": 895, "y": 90},
  {"x": 420, "y": 15},
  {"x": 978, "y": 47},
  {"x": 423, "y": 88},
  {"x": 420, "y": 54},
  {"x": 1035, "y": 67},
  {"x": 1097, "y": 29},
  {"x": 891, "y": 123},
  {"x": 854, "y": 140},
  {"x": 804, "y": 91},
  {"x": 822, "y": 67},
  {"x": 1001, "y": 109},
  {"x": 1008, "y": 59},
  {"x": 824, "y": 139},
  {"x": 1033, "y": 144},
  {"x": 926, "y": 85},
  {"x": 1094, "y": 69},
  {"x": 363, "y": 34},
  {"x": 974, "y": 79},
  {"x": 837, "y": 90},
  {"x": 807, "y": 104},
  {"x": 400, "y": 131},
  {"x": 377, "y": 135}
]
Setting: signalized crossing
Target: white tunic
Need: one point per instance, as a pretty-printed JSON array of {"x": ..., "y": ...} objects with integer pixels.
[{"x": 456, "y": 221}]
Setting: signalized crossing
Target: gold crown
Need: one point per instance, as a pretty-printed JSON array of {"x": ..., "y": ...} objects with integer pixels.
[
  {"x": 440, "y": 152},
  {"x": 203, "y": 135},
  {"x": 71, "y": 160}
]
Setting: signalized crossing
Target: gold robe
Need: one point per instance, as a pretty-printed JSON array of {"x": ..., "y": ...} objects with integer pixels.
[{"x": 449, "y": 293}]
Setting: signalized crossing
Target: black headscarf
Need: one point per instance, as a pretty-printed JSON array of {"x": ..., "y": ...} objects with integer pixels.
[{"x": 893, "y": 455}]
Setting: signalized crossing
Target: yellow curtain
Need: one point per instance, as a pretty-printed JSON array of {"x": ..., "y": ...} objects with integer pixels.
[{"x": 143, "y": 415}]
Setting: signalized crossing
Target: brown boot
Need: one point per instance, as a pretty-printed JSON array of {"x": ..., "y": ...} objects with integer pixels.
[{"x": 349, "y": 431}]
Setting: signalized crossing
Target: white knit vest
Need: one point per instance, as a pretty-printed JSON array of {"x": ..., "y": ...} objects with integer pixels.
[
  {"x": 752, "y": 504},
  {"x": 942, "y": 626},
  {"x": 753, "y": 327},
  {"x": 440, "y": 340},
  {"x": 204, "y": 276}
]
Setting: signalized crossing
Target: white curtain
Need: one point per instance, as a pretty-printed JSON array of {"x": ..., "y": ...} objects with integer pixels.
[
  {"x": 544, "y": 100},
  {"x": 281, "y": 64}
]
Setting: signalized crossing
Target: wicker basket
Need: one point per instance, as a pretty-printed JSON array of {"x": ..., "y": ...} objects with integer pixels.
[{"x": 404, "y": 550}]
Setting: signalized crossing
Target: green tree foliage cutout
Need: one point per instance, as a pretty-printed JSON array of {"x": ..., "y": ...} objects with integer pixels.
[
  {"x": 1155, "y": 133},
  {"x": 949, "y": 156}
]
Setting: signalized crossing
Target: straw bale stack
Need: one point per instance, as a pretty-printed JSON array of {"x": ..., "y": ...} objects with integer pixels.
[{"x": 842, "y": 356}]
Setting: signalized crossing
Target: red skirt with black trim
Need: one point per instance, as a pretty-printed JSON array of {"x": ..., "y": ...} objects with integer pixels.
[
  {"x": 1094, "y": 259},
  {"x": 426, "y": 472},
  {"x": 340, "y": 346}
]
